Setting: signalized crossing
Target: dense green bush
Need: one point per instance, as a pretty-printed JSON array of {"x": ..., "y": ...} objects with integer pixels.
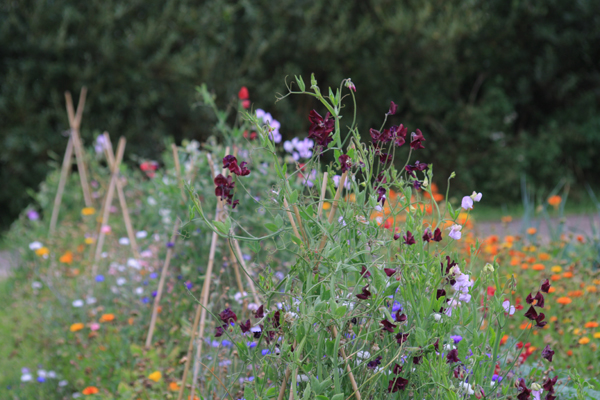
[{"x": 503, "y": 88}]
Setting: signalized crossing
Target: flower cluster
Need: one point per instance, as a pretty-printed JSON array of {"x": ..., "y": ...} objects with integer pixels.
[
  {"x": 273, "y": 125},
  {"x": 299, "y": 148},
  {"x": 225, "y": 185}
]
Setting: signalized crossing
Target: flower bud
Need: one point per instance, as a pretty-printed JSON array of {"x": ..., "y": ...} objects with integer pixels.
[
  {"x": 536, "y": 386},
  {"x": 488, "y": 267},
  {"x": 425, "y": 182}
]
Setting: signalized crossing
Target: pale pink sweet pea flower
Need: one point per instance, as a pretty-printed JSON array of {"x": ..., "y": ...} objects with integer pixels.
[
  {"x": 476, "y": 196},
  {"x": 508, "y": 308},
  {"x": 94, "y": 326},
  {"x": 455, "y": 232},
  {"x": 467, "y": 203},
  {"x": 105, "y": 229}
]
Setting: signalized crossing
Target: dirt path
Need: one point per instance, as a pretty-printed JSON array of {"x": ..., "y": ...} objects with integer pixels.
[{"x": 575, "y": 224}]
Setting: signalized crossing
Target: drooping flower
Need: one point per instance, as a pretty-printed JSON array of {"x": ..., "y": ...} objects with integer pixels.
[
  {"x": 364, "y": 273},
  {"x": 401, "y": 337},
  {"x": 547, "y": 353},
  {"x": 227, "y": 316},
  {"x": 416, "y": 139},
  {"x": 321, "y": 128},
  {"x": 259, "y": 312},
  {"x": 389, "y": 271},
  {"x": 365, "y": 293},
  {"x": 409, "y": 239},
  {"x": 452, "y": 356},
  {"x": 427, "y": 235},
  {"x": 396, "y": 384},
  {"x": 345, "y": 162},
  {"x": 545, "y": 286},
  {"x": 231, "y": 162},
  {"x": 219, "y": 331},
  {"x": 525, "y": 391},
  {"x": 419, "y": 166},
  {"x": 387, "y": 326},
  {"x": 223, "y": 189},
  {"x": 393, "y": 108},
  {"x": 437, "y": 235},
  {"x": 245, "y": 327},
  {"x": 374, "y": 363}
]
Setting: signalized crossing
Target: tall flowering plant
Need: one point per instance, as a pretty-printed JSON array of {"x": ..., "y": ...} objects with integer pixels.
[{"x": 376, "y": 304}]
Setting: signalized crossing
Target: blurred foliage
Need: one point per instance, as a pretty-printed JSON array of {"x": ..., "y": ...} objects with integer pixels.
[{"x": 499, "y": 88}]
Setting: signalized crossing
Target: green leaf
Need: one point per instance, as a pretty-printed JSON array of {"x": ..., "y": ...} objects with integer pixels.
[
  {"x": 306, "y": 394},
  {"x": 271, "y": 226},
  {"x": 391, "y": 290},
  {"x": 272, "y": 392},
  {"x": 248, "y": 392},
  {"x": 296, "y": 240},
  {"x": 321, "y": 397},
  {"x": 278, "y": 221},
  {"x": 221, "y": 227},
  {"x": 340, "y": 311},
  {"x": 339, "y": 396},
  {"x": 294, "y": 197},
  {"x": 300, "y": 82},
  {"x": 136, "y": 350}
]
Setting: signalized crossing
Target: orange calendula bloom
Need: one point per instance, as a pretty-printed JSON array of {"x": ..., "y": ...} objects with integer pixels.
[
  {"x": 504, "y": 339},
  {"x": 591, "y": 324},
  {"x": 597, "y": 335},
  {"x": 554, "y": 201},
  {"x": 173, "y": 386},
  {"x": 564, "y": 300},
  {"x": 584, "y": 340},
  {"x": 556, "y": 277},
  {"x": 506, "y": 218},
  {"x": 552, "y": 289},
  {"x": 538, "y": 267},
  {"x": 326, "y": 206},
  {"x": 570, "y": 353},
  {"x": 107, "y": 318},
  {"x": 76, "y": 327},
  {"x": 531, "y": 231},
  {"x": 576, "y": 293},
  {"x": 155, "y": 376},
  {"x": 88, "y": 211},
  {"x": 66, "y": 258},
  {"x": 544, "y": 256},
  {"x": 591, "y": 289},
  {"x": 568, "y": 275},
  {"x": 42, "y": 251},
  {"x": 524, "y": 266},
  {"x": 90, "y": 390},
  {"x": 553, "y": 318}
]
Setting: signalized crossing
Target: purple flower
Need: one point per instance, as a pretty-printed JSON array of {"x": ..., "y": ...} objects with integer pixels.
[
  {"x": 170, "y": 245},
  {"x": 427, "y": 235},
  {"x": 264, "y": 352},
  {"x": 154, "y": 293},
  {"x": 321, "y": 128},
  {"x": 389, "y": 271},
  {"x": 416, "y": 139},
  {"x": 272, "y": 123},
  {"x": 396, "y": 384},
  {"x": 227, "y": 315},
  {"x": 218, "y": 331},
  {"x": 456, "y": 338},
  {"x": 547, "y": 353},
  {"x": 545, "y": 286},
  {"x": 452, "y": 356},
  {"x": 33, "y": 215},
  {"x": 467, "y": 203},
  {"x": 345, "y": 162},
  {"x": 387, "y": 326},
  {"x": 189, "y": 285},
  {"x": 437, "y": 235},
  {"x": 365, "y": 293},
  {"x": 374, "y": 363},
  {"x": 145, "y": 300},
  {"x": 245, "y": 326},
  {"x": 409, "y": 239},
  {"x": 230, "y": 162},
  {"x": 393, "y": 108},
  {"x": 455, "y": 232},
  {"x": 99, "y": 278}
]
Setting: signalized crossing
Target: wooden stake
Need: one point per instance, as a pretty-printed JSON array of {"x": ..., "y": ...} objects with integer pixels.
[
  {"x": 246, "y": 270},
  {"x": 109, "y": 196},
  {"x": 122, "y": 200},
  {"x": 334, "y": 207},
  {"x": 288, "y": 372},
  {"x": 291, "y": 218},
  {"x": 323, "y": 191},
  {"x": 348, "y": 368},
  {"x": 75, "y": 123},
  {"x": 161, "y": 283},
  {"x": 238, "y": 277},
  {"x": 178, "y": 171},
  {"x": 64, "y": 173}
]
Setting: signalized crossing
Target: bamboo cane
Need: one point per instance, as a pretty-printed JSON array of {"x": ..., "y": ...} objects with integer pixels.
[
  {"x": 108, "y": 202},
  {"x": 66, "y": 166},
  {"x": 323, "y": 191},
  {"x": 178, "y": 171},
  {"x": 161, "y": 283}
]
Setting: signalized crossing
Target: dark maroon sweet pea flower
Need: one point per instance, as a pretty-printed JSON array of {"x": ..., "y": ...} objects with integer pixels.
[
  {"x": 223, "y": 188},
  {"x": 245, "y": 326},
  {"x": 364, "y": 273},
  {"x": 381, "y": 195},
  {"x": 397, "y": 369},
  {"x": 417, "y": 359},
  {"x": 396, "y": 384},
  {"x": 545, "y": 286},
  {"x": 258, "y": 334},
  {"x": 365, "y": 293},
  {"x": 321, "y": 128},
  {"x": 400, "y": 135},
  {"x": 540, "y": 323},
  {"x": 219, "y": 331},
  {"x": 276, "y": 319},
  {"x": 416, "y": 139},
  {"x": 419, "y": 166},
  {"x": 231, "y": 162},
  {"x": 440, "y": 293},
  {"x": 260, "y": 312},
  {"x": 389, "y": 271},
  {"x": 452, "y": 356},
  {"x": 427, "y": 235},
  {"x": 539, "y": 298},
  {"x": 396, "y": 236},
  {"x": 374, "y": 363},
  {"x": 459, "y": 372},
  {"x": 409, "y": 239},
  {"x": 548, "y": 353},
  {"x": 436, "y": 345},
  {"x": 437, "y": 235},
  {"x": 393, "y": 108},
  {"x": 531, "y": 313},
  {"x": 401, "y": 337},
  {"x": 449, "y": 265},
  {"x": 380, "y": 138},
  {"x": 549, "y": 385},
  {"x": 387, "y": 326},
  {"x": 385, "y": 158},
  {"x": 345, "y": 162},
  {"x": 525, "y": 391},
  {"x": 228, "y": 316},
  {"x": 400, "y": 317}
]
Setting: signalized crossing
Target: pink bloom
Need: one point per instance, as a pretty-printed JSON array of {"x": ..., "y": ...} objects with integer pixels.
[
  {"x": 455, "y": 232},
  {"x": 467, "y": 203},
  {"x": 94, "y": 326}
]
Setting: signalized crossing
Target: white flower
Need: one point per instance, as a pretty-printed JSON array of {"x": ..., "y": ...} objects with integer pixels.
[
  {"x": 35, "y": 245},
  {"x": 467, "y": 203},
  {"x": 121, "y": 281},
  {"x": 476, "y": 196},
  {"x": 302, "y": 378},
  {"x": 151, "y": 201},
  {"x": 146, "y": 253},
  {"x": 290, "y": 316},
  {"x": 51, "y": 375},
  {"x": 124, "y": 241},
  {"x": 238, "y": 297},
  {"x": 36, "y": 285},
  {"x": 90, "y": 300},
  {"x": 42, "y": 373},
  {"x": 78, "y": 303},
  {"x": 63, "y": 383},
  {"x": 76, "y": 395},
  {"x": 252, "y": 306},
  {"x": 141, "y": 234},
  {"x": 363, "y": 354},
  {"x": 467, "y": 387},
  {"x": 455, "y": 232},
  {"x": 26, "y": 377},
  {"x": 133, "y": 263},
  {"x": 437, "y": 317},
  {"x": 104, "y": 254},
  {"x": 139, "y": 291}
]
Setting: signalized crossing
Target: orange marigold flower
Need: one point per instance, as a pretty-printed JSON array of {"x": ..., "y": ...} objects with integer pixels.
[
  {"x": 554, "y": 201},
  {"x": 569, "y": 353},
  {"x": 531, "y": 260},
  {"x": 438, "y": 197},
  {"x": 155, "y": 376},
  {"x": 591, "y": 324},
  {"x": 568, "y": 275},
  {"x": 524, "y": 266},
  {"x": 514, "y": 261},
  {"x": 504, "y": 339},
  {"x": 90, "y": 390},
  {"x": 173, "y": 386},
  {"x": 130, "y": 321},
  {"x": 506, "y": 218},
  {"x": 597, "y": 335},
  {"x": 76, "y": 327},
  {"x": 552, "y": 289},
  {"x": 525, "y": 325},
  {"x": 584, "y": 340},
  {"x": 531, "y": 231},
  {"x": 580, "y": 238},
  {"x": 107, "y": 318},
  {"x": 576, "y": 293},
  {"x": 556, "y": 277},
  {"x": 564, "y": 300},
  {"x": 88, "y": 211},
  {"x": 66, "y": 258},
  {"x": 544, "y": 256},
  {"x": 553, "y": 318},
  {"x": 326, "y": 205},
  {"x": 591, "y": 289},
  {"x": 538, "y": 267},
  {"x": 42, "y": 251}
]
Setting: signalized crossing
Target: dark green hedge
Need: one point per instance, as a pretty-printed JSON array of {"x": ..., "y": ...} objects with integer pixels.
[{"x": 498, "y": 87}]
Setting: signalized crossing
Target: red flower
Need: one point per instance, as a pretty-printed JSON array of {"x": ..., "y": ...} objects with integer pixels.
[
  {"x": 260, "y": 312},
  {"x": 345, "y": 162},
  {"x": 437, "y": 235},
  {"x": 409, "y": 239},
  {"x": 387, "y": 326},
  {"x": 228, "y": 316},
  {"x": 321, "y": 128},
  {"x": 416, "y": 139},
  {"x": 364, "y": 273},
  {"x": 245, "y": 326},
  {"x": 230, "y": 162},
  {"x": 389, "y": 271},
  {"x": 393, "y": 108},
  {"x": 396, "y": 384},
  {"x": 365, "y": 293},
  {"x": 243, "y": 93}
]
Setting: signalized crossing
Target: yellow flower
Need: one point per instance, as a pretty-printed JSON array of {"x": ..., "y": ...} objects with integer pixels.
[
  {"x": 76, "y": 327},
  {"x": 88, "y": 211},
  {"x": 584, "y": 340},
  {"x": 155, "y": 376},
  {"x": 597, "y": 335},
  {"x": 326, "y": 206},
  {"x": 556, "y": 269},
  {"x": 42, "y": 251},
  {"x": 89, "y": 240}
]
